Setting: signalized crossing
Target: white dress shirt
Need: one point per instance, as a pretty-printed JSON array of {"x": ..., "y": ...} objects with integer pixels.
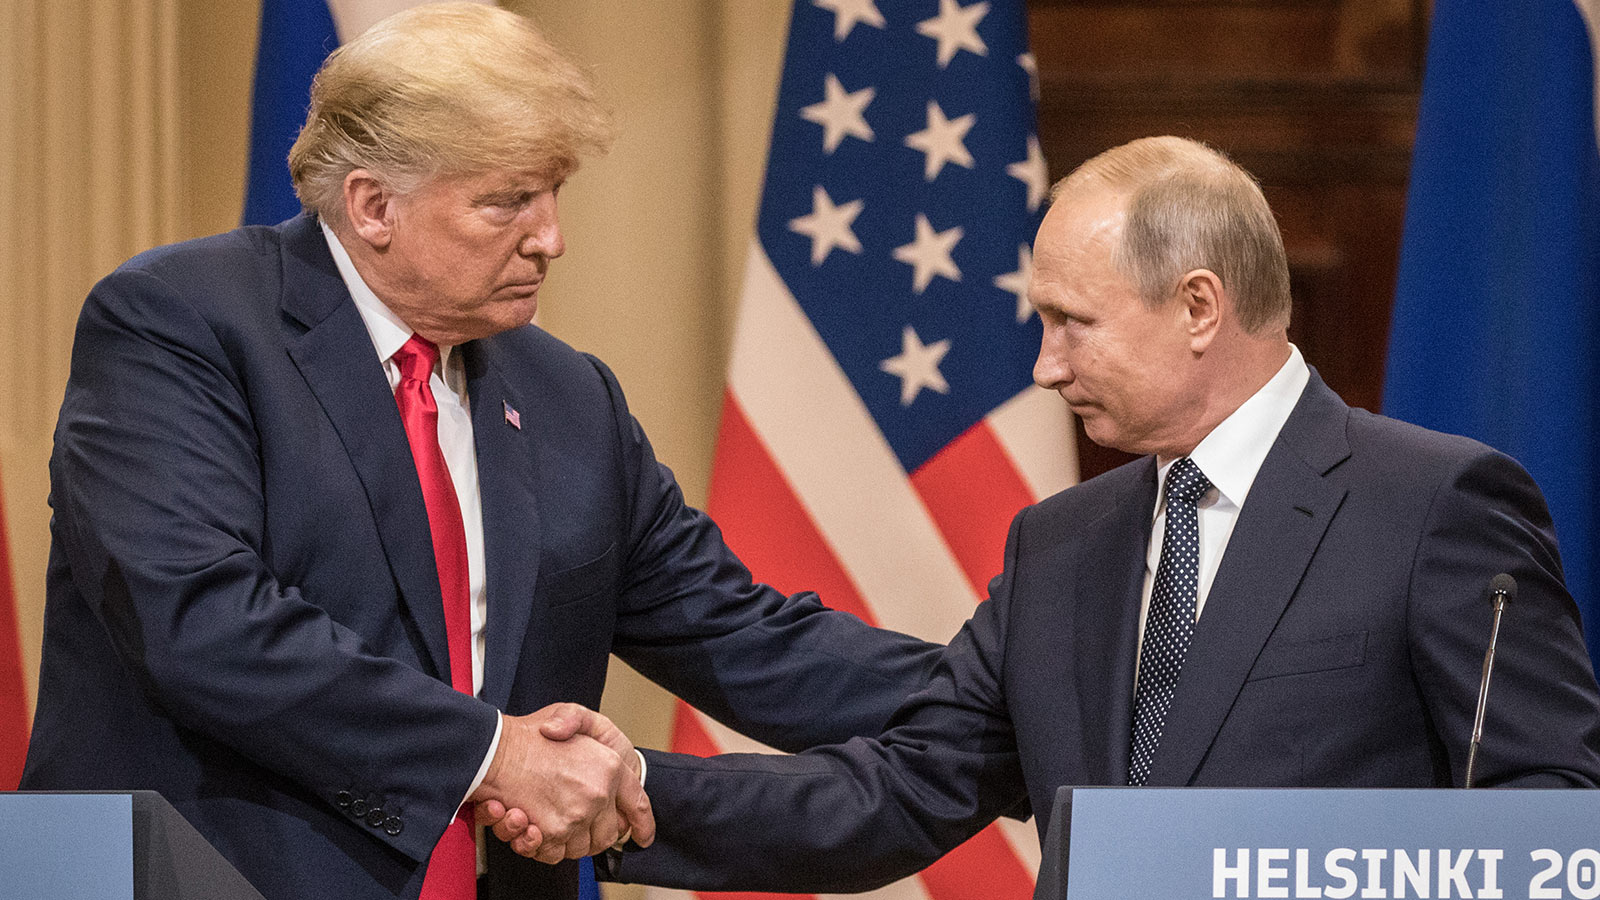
[{"x": 1230, "y": 456}]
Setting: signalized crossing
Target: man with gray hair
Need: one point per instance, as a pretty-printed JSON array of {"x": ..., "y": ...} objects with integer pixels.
[
  {"x": 337, "y": 532},
  {"x": 1284, "y": 592}
]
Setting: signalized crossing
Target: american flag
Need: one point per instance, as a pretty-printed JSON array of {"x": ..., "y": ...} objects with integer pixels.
[
  {"x": 14, "y": 705},
  {"x": 880, "y": 426}
]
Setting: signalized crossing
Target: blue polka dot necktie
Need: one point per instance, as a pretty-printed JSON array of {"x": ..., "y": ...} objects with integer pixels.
[{"x": 1170, "y": 622}]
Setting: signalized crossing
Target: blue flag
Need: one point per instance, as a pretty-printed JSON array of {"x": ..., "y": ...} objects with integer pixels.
[
  {"x": 296, "y": 35},
  {"x": 1496, "y": 330}
]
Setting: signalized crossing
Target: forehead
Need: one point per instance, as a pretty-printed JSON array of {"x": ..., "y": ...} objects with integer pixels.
[
  {"x": 470, "y": 186},
  {"x": 1085, "y": 220},
  {"x": 1075, "y": 242}
]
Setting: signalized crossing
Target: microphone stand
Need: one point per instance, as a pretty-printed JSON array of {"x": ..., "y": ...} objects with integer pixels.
[{"x": 1502, "y": 586}]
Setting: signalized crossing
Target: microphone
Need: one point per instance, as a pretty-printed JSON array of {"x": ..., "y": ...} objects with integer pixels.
[{"x": 1502, "y": 589}]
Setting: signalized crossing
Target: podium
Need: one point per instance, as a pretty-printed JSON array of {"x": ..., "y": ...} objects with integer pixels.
[
  {"x": 109, "y": 846},
  {"x": 1114, "y": 843}
]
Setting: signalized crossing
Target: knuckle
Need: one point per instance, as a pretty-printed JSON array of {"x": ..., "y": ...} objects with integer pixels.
[{"x": 550, "y": 851}]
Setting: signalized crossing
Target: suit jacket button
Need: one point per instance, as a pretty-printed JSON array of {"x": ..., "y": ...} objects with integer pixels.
[
  {"x": 392, "y": 826},
  {"x": 343, "y": 798},
  {"x": 376, "y": 816},
  {"x": 359, "y": 808}
]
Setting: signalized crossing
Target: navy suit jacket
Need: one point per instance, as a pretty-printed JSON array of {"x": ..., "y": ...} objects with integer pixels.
[
  {"x": 1341, "y": 645},
  {"x": 243, "y": 611}
]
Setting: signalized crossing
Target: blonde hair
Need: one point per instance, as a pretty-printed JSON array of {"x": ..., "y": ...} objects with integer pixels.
[
  {"x": 443, "y": 89},
  {"x": 1190, "y": 207}
]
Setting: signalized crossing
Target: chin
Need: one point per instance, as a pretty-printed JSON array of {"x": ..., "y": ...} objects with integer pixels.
[
  {"x": 1093, "y": 425},
  {"x": 523, "y": 317},
  {"x": 519, "y": 311},
  {"x": 1100, "y": 436},
  {"x": 503, "y": 317}
]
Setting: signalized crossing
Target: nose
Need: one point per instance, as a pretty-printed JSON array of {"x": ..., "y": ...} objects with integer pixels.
[
  {"x": 542, "y": 229},
  {"x": 1051, "y": 370}
]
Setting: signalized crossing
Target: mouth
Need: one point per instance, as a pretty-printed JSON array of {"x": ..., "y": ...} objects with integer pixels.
[
  {"x": 523, "y": 288},
  {"x": 1076, "y": 404}
]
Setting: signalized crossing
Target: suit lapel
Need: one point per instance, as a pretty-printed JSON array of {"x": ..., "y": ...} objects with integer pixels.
[
  {"x": 1289, "y": 508},
  {"x": 334, "y": 354},
  {"x": 1106, "y": 621},
  {"x": 506, "y": 479}
]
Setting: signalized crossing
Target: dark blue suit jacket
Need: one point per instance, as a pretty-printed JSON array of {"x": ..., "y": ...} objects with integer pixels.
[
  {"x": 243, "y": 611},
  {"x": 1341, "y": 645}
]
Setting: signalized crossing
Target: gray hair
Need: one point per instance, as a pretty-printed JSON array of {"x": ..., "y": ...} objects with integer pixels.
[
  {"x": 444, "y": 89},
  {"x": 1190, "y": 207}
]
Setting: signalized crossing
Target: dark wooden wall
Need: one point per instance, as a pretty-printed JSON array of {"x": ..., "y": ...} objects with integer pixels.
[{"x": 1317, "y": 98}]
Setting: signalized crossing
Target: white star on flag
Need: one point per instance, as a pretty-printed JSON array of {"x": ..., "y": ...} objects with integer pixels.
[
  {"x": 918, "y": 366},
  {"x": 1017, "y": 282},
  {"x": 929, "y": 254},
  {"x": 840, "y": 114},
  {"x": 1033, "y": 173},
  {"x": 1030, "y": 65},
  {"x": 846, "y": 13},
  {"x": 942, "y": 141},
  {"x": 828, "y": 226},
  {"x": 956, "y": 29}
]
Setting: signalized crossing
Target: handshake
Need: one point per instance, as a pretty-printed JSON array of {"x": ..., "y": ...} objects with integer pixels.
[{"x": 564, "y": 783}]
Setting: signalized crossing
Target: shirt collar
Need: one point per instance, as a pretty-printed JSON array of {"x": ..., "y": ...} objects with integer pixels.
[
  {"x": 1232, "y": 454},
  {"x": 387, "y": 330}
]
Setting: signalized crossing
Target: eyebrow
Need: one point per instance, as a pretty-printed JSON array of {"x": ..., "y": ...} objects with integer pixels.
[{"x": 505, "y": 193}]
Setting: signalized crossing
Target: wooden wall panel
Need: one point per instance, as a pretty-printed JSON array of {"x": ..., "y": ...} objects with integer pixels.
[{"x": 1317, "y": 98}]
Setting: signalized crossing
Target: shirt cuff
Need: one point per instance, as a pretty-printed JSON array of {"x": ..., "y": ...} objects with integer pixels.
[
  {"x": 483, "y": 770},
  {"x": 623, "y": 839}
]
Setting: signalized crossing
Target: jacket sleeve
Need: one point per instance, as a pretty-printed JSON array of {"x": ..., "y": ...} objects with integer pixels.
[
  {"x": 157, "y": 489},
  {"x": 845, "y": 818},
  {"x": 854, "y": 816},
  {"x": 1543, "y": 723},
  {"x": 785, "y": 670}
]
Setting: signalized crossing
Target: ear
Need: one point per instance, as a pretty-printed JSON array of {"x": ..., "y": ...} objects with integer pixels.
[
  {"x": 1203, "y": 299},
  {"x": 369, "y": 208}
]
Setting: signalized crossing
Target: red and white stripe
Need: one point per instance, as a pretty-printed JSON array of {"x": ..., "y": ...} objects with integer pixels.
[
  {"x": 811, "y": 496},
  {"x": 14, "y": 706}
]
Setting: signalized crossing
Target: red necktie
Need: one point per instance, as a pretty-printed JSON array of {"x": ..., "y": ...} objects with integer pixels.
[{"x": 453, "y": 867}]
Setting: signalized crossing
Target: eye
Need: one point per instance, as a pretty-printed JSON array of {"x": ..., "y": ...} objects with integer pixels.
[
  {"x": 1059, "y": 318},
  {"x": 506, "y": 201}
]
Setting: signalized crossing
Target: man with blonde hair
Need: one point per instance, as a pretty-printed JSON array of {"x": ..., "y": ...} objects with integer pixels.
[
  {"x": 1284, "y": 592},
  {"x": 337, "y": 531}
]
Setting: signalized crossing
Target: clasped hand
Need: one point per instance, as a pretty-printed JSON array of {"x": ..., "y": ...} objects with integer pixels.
[{"x": 563, "y": 784}]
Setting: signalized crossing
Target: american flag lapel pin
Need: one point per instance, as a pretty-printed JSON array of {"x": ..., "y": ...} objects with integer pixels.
[{"x": 513, "y": 418}]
